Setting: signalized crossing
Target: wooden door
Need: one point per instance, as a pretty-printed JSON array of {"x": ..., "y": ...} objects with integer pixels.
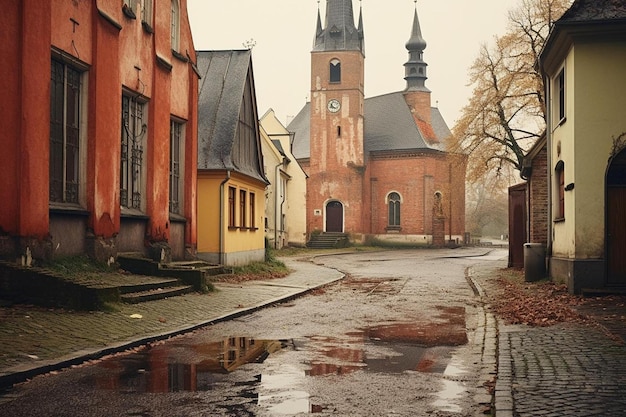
[
  {"x": 616, "y": 220},
  {"x": 616, "y": 235},
  {"x": 334, "y": 217},
  {"x": 517, "y": 225}
]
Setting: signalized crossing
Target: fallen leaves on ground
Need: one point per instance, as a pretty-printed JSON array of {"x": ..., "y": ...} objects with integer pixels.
[{"x": 533, "y": 303}]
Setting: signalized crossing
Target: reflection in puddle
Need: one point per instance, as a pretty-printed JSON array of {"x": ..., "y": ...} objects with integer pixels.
[
  {"x": 182, "y": 367},
  {"x": 192, "y": 365}
]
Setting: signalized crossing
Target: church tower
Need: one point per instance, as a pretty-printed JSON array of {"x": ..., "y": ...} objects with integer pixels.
[{"x": 335, "y": 187}]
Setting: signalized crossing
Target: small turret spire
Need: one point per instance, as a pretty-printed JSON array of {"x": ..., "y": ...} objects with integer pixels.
[
  {"x": 415, "y": 67},
  {"x": 319, "y": 28}
]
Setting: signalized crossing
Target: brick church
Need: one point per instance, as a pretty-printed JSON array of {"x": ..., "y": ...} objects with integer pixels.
[{"x": 377, "y": 167}]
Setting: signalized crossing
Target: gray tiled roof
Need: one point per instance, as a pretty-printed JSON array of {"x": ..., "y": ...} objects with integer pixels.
[
  {"x": 339, "y": 33},
  {"x": 220, "y": 95},
  {"x": 388, "y": 125},
  {"x": 595, "y": 10}
]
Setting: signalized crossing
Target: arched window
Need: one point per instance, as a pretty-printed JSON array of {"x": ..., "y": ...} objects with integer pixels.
[
  {"x": 559, "y": 175},
  {"x": 394, "y": 201},
  {"x": 335, "y": 71}
]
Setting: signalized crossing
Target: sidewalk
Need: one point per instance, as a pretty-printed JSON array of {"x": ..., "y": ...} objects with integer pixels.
[
  {"x": 570, "y": 369},
  {"x": 35, "y": 340}
]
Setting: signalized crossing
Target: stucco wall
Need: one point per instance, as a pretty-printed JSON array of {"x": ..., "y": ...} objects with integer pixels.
[{"x": 595, "y": 115}]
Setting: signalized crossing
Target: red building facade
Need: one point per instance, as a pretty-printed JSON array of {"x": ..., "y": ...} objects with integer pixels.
[{"x": 99, "y": 129}]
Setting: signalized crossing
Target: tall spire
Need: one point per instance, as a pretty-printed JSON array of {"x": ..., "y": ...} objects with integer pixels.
[
  {"x": 339, "y": 32},
  {"x": 415, "y": 67}
]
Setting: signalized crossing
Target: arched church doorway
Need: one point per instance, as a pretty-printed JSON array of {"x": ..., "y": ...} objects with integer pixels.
[
  {"x": 616, "y": 220},
  {"x": 334, "y": 217}
]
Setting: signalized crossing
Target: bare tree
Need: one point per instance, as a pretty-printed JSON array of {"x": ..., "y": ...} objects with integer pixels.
[{"x": 506, "y": 113}]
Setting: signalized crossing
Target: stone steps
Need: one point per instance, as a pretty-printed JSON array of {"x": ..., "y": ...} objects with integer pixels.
[
  {"x": 155, "y": 294},
  {"x": 328, "y": 240}
]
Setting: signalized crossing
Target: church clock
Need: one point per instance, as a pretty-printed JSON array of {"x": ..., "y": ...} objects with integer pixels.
[{"x": 334, "y": 105}]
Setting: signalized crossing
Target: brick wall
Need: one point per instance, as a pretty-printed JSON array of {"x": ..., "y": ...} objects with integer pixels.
[{"x": 538, "y": 196}]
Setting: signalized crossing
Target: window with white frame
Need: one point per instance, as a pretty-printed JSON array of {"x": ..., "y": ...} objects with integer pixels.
[
  {"x": 146, "y": 12},
  {"x": 175, "y": 25},
  {"x": 65, "y": 135},
  {"x": 559, "y": 91},
  {"x": 133, "y": 143}
]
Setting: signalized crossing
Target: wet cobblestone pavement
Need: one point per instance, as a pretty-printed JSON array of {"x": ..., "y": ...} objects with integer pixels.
[{"x": 569, "y": 369}]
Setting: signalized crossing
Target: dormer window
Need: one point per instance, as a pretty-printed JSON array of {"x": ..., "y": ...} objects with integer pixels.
[{"x": 335, "y": 71}]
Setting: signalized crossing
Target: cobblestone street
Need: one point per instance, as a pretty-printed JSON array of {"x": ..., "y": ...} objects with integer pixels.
[{"x": 565, "y": 370}]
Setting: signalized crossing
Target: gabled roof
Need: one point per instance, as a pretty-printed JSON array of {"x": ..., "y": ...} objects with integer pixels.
[
  {"x": 388, "y": 126},
  {"x": 225, "y": 76},
  {"x": 584, "y": 19},
  {"x": 594, "y": 10}
]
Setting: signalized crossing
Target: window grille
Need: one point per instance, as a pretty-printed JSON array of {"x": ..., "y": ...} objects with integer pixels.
[
  {"x": 133, "y": 133},
  {"x": 175, "y": 166},
  {"x": 65, "y": 92}
]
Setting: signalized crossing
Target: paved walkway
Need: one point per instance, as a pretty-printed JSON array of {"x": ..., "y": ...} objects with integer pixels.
[
  {"x": 570, "y": 369},
  {"x": 36, "y": 340}
]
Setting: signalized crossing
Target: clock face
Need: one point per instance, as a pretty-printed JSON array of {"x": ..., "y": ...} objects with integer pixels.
[{"x": 334, "y": 105}]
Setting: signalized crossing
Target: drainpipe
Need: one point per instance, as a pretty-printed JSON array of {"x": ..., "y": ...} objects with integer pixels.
[
  {"x": 278, "y": 186},
  {"x": 549, "y": 132},
  {"x": 221, "y": 255},
  {"x": 282, "y": 203}
]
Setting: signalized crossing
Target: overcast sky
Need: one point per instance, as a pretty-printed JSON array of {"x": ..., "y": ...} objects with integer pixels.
[{"x": 283, "y": 31}]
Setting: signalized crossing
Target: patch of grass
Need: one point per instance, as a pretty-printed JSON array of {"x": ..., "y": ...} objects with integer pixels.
[
  {"x": 273, "y": 266},
  {"x": 79, "y": 265}
]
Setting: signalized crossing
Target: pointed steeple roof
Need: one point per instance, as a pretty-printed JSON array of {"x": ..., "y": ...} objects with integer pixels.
[
  {"x": 339, "y": 32},
  {"x": 415, "y": 67}
]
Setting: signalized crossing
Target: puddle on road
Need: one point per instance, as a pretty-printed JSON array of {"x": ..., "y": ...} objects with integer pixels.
[{"x": 189, "y": 364}]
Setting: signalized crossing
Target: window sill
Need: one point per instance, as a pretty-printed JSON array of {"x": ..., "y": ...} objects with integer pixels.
[
  {"x": 69, "y": 209},
  {"x": 179, "y": 56},
  {"x": 177, "y": 218},
  {"x": 393, "y": 229},
  {"x": 147, "y": 28},
  {"x": 559, "y": 123},
  {"x": 133, "y": 213},
  {"x": 128, "y": 12},
  {"x": 559, "y": 220}
]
